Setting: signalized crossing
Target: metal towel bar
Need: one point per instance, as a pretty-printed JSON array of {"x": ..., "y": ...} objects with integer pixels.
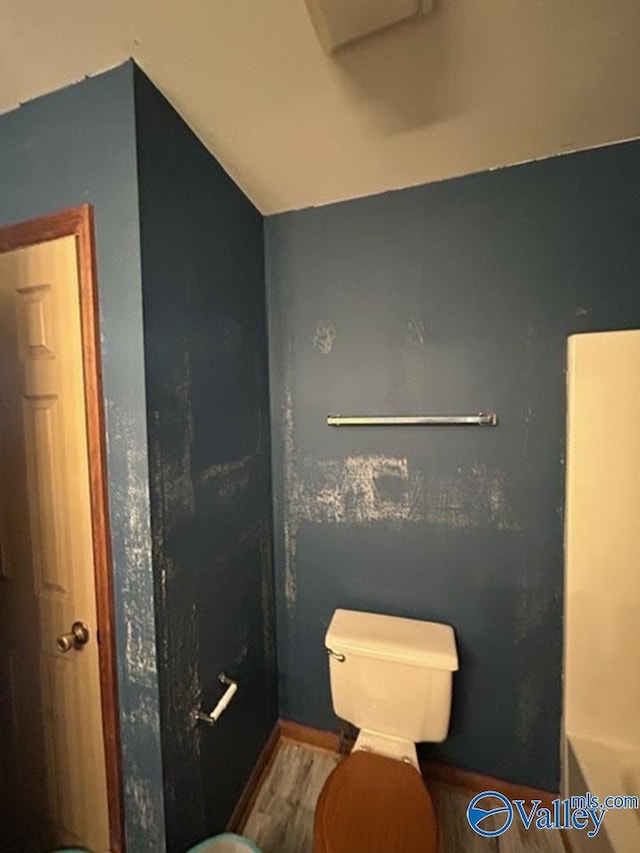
[{"x": 480, "y": 419}]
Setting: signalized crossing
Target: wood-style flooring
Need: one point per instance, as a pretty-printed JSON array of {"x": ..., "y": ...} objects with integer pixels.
[{"x": 281, "y": 820}]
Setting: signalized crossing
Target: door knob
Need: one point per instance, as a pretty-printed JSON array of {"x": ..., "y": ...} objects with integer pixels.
[{"x": 77, "y": 637}]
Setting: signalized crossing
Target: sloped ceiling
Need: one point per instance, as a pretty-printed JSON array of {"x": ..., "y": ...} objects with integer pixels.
[{"x": 476, "y": 85}]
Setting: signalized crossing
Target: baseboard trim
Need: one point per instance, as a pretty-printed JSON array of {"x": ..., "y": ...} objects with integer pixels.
[
  {"x": 443, "y": 774},
  {"x": 261, "y": 768},
  {"x": 318, "y": 738},
  {"x": 474, "y": 783}
]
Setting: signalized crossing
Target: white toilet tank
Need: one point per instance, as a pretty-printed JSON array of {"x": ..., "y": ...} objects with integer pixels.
[{"x": 392, "y": 675}]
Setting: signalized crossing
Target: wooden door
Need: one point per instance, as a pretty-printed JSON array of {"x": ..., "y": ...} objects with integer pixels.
[{"x": 52, "y": 714}]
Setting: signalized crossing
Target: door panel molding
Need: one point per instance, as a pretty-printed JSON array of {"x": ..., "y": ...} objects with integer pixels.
[{"x": 78, "y": 222}]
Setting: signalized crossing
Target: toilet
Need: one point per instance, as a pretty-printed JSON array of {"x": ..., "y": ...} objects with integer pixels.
[{"x": 391, "y": 677}]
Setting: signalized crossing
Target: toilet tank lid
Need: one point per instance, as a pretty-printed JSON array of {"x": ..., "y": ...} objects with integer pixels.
[{"x": 428, "y": 644}]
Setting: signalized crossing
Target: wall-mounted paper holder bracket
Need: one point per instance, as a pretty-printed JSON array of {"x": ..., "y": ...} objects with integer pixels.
[{"x": 198, "y": 716}]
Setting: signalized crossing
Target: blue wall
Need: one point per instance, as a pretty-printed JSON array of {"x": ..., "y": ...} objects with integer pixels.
[
  {"x": 75, "y": 146},
  {"x": 449, "y": 298},
  {"x": 208, "y": 409}
]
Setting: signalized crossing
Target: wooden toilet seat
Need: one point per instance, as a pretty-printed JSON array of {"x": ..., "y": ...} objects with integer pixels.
[{"x": 374, "y": 804}]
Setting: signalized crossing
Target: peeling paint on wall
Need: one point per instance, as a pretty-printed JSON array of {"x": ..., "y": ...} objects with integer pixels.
[
  {"x": 324, "y": 336},
  {"x": 583, "y": 310},
  {"x": 376, "y": 489},
  {"x": 177, "y": 477},
  {"x": 290, "y": 577},
  {"x": 207, "y": 399},
  {"x": 144, "y": 717},
  {"x": 355, "y": 490},
  {"x": 140, "y": 662},
  {"x": 155, "y": 477},
  {"x": 228, "y": 478},
  {"x": 470, "y": 497},
  {"x": 185, "y": 688},
  {"x": 379, "y": 488},
  {"x": 416, "y": 332},
  {"x": 290, "y": 524},
  {"x": 177, "y": 635},
  {"x": 179, "y": 655},
  {"x": 139, "y": 793},
  {"x": 267, "y": 596},
  {"x": 139, "y": 704}
]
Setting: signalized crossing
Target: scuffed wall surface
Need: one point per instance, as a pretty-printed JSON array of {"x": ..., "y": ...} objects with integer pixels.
[
  {"x": 139, "y": 699},
  {"x": 450, "y": 298},
  {"x": 75, "y": 146},
  {"x": 208, "y": 416}
]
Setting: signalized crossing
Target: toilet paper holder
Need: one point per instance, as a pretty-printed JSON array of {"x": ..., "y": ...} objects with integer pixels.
[{"x": 199, "y": 716}]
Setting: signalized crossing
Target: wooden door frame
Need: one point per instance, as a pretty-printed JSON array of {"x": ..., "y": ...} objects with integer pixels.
[{"x": 78, "y": 222}]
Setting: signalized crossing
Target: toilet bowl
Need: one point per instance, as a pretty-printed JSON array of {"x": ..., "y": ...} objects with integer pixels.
[
  {"x": 374, "y": 804},
  {"x": 392, "y": 678}
]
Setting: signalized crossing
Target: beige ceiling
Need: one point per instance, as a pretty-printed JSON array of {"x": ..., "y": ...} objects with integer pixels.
[{"x": 475, "y": 85}]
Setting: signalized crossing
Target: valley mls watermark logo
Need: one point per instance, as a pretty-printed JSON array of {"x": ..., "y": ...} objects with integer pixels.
[
  {"x": 483, "y": 807},
  {"x": 491, "y": 813}
]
